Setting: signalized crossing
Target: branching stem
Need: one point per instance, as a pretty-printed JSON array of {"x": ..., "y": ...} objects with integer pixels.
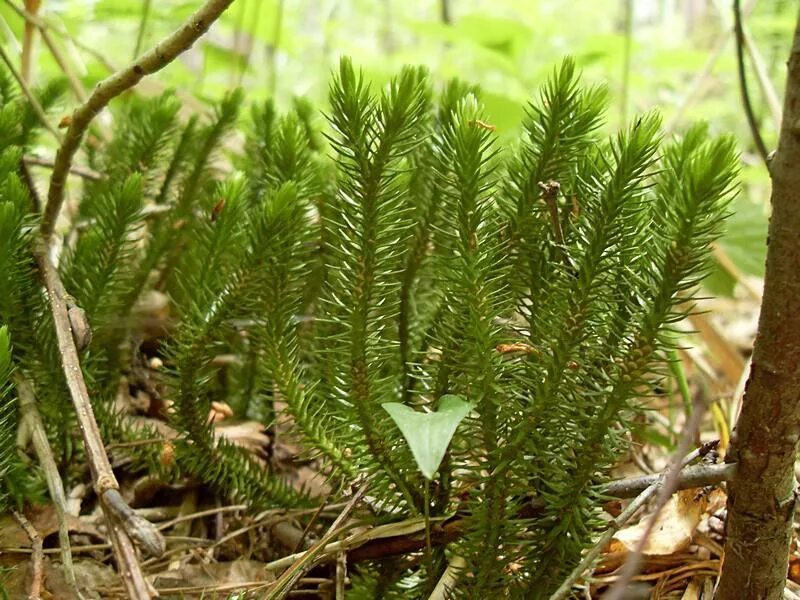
[{"x": 121, "y": 528}]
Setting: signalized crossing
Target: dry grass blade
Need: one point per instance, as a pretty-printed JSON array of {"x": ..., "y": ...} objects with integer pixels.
[{"x": 286, "y": 581}]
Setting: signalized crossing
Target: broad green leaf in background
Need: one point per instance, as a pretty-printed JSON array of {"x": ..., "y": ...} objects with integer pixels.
[{"x": 429, "y": 434}]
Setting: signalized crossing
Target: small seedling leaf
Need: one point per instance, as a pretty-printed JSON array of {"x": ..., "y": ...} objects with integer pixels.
[{"x": 429, "y": 434}]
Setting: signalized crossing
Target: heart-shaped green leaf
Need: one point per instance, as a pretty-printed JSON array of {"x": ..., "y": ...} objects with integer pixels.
[{"x": 429, "y": 434}]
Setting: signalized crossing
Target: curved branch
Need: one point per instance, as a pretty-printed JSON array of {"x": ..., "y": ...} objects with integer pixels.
[
  {"x": 748, "y": 107},
  {"x": 122, "y": 529},
  {"x": 151, "y": 61}
]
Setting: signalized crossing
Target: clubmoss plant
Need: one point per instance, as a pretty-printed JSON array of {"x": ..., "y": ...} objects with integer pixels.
[{"x": 397, "y": 254}]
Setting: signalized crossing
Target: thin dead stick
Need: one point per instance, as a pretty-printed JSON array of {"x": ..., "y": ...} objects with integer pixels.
[
  {"x": 37, "y": 556},
  {"x": 698, "y": 83},
  {"x": 151, "y": 61},
  {"x": 311, "y": 522},
  {"x": 74, "y": 82},
  {"x": 28, "y": 40},
  {"x": 78, "y": 170},
  {"x": 341, "y": 574},
  {"x": 45, "y": 27},
  {"x": 385, "y": 540},
  {"x": 764, "y": 81},
  {"x": 102, "y": 475},
  {"x": 123, "y": 523},
  {"x": 203, "y": 513},
  {"x": 690, "y": 477},
  {"x": 744, "y": 92},
  {"x": 30, "y": 413},
  {"x": 616, "y": 524},
  {"x": 666, "y": 489},
  {"x": 259, "y": 522},
  {"x": 699, "y": 80},
  {"x": 37, "y": 108},
  {"x": 42, "y": 25}
]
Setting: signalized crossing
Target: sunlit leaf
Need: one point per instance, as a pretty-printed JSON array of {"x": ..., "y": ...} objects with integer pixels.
[{"x": 429, "y": 434}]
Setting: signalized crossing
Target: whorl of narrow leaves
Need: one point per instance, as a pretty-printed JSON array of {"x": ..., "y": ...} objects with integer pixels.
[
  {"x": 26, "y": 123},
  {"x": 91, "y": 271},
  {"x": 693, "y": 189},
  {"x": 559, "y": 128},
  {"x": 470, "y": 365},
  {"x": 144, "y": 141},
  {"x": 277, "y": 335},
  {"x": 203, "y": 167},
  {"x": 8, "y": 421},
  {"x": 15, "y": 267},
  {"x": 371, "y": 138},
  {"x": 225, "y": 272},
  {"x": 22, "y": 305}
]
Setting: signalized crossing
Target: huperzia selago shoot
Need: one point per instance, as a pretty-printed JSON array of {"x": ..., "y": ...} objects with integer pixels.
[{"x": 393, "y": 252}]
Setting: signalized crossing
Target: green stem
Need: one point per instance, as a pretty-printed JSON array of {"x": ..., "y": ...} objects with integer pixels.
[
  {"x": 678, "y": 373},
  {"x": 626, "y": 62},
  {"x": 142, "y": 27},
  {"x": 427, "y": 514},
  {"x": 273, "y": 48}
]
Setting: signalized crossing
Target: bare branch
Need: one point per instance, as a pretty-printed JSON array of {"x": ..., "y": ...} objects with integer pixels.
[
  {"x": 30, "y": 413},
  {"x": 690, "y": 477},
  {"x": 667, "y": 486},
  {"x": 657, "y": 482},
  {"x": 78, "y": 170},
  {"x": 37, "y": 556},
  {"x": 748, "y": 107},
  {"x": 121, "y": 526},
  {"x": 155, "y": 59},
  {"x": 37, "y": 108}
]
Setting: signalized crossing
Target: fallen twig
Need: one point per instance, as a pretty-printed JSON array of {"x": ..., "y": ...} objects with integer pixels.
[
  {"x": 690, "y": 477},
  {"x": 666, "y": 486},
  {"x": 30, "y": 413},
  {"x": 37, "y": 556},
  {"x": 102, "y": 475},
  {"x": 78, "y": 170},
  {"x": 738, "y": 29},
  {"x": 657, "y": 481},
  {"x": 151, "y": 61}
]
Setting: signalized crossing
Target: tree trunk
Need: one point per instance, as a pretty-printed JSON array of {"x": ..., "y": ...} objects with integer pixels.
[{"x": 761, "y": 499}]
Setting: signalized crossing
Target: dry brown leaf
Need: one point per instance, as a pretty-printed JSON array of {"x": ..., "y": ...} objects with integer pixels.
[
  {"x": 215, "y": 574},
  {"x": 249, "y": 435},
  {"x": 794, "y": 568},
  {"x": 516, "y": 347},
  {"x": 673, "y": 528}
]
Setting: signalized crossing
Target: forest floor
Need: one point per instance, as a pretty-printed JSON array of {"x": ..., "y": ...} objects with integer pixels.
[{"x": 215, "y": 549}]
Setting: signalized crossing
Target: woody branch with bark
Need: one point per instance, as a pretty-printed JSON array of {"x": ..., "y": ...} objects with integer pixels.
[
  {"x": 762, "y": 497},
  {"x": 123, "y": 525}
]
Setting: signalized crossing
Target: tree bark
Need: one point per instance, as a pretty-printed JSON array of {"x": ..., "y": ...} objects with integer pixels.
[{"x": 762, "y": 497}]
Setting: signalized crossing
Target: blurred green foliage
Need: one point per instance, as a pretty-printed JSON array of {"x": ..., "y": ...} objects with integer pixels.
[{"x": 677, "y": 55}]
